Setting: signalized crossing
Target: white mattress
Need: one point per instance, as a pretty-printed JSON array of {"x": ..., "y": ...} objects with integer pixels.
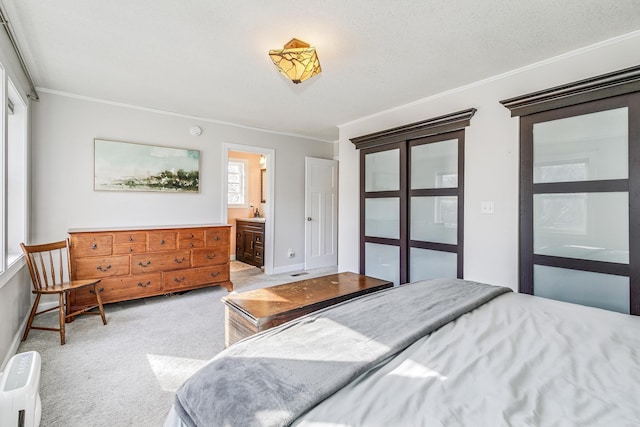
[{"x": 516, "y": 361}]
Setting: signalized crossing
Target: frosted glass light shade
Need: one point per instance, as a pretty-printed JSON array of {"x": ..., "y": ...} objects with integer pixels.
[{"x": 297, "y": 61}]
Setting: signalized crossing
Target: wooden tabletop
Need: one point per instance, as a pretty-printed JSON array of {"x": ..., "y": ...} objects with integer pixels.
[{"x": 268, "y": 303}]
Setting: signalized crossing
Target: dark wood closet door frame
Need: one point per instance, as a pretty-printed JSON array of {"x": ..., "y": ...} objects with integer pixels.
[
  {"x": 458, "y": 191},
  {"x": 401, "y": 194},
  {"x": 601, "y": 93},
  {"x": 401, "y": 137}
]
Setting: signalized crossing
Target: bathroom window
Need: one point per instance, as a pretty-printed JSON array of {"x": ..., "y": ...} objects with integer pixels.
[{"x": 237, "y": 183}]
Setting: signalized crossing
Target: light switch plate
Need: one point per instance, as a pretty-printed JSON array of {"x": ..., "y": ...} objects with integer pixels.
[{"x": 487, "y": 207}]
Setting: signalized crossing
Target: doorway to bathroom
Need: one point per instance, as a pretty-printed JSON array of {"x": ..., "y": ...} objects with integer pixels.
[{"x": 247, "y": 198}]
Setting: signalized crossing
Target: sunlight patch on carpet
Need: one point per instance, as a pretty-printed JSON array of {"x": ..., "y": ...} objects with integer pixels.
[
  {"x": 171, "y": 372},
  {"x": 235, "y": 266}
]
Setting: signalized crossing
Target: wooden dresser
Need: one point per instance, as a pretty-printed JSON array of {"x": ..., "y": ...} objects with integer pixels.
[{"x": 141, "y": 262}]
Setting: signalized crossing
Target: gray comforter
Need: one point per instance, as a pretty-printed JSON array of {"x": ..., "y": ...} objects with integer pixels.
[{"x": 272, "y": 378}]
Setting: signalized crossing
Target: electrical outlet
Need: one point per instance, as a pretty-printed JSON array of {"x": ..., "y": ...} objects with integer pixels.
[{"x": 290, "y": 253}]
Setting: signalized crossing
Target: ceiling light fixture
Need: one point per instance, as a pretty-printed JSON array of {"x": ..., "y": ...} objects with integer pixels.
[{"x": 297, "y": 61}]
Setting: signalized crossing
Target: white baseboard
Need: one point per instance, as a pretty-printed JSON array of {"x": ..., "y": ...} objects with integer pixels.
[
  {"x": 288, "y": 269},
  {"x": 17, "y": 338},
  {"x": 232, "y": 257}
]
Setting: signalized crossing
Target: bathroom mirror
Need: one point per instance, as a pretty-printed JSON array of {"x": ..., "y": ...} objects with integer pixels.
[{"x": 263, "y": 185}]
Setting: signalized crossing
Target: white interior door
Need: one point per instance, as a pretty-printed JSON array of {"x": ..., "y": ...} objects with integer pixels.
[{"x": 321, "y": 211}]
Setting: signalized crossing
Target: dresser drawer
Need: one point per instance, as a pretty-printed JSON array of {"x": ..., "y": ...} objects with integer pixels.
[
  {"x": 217, "y": 236},
  {"x": 188, "y": 239},
  {"x": 161, "y": 241},
  {"x": 123, "y": 288},
  {"x": 135, "y": 237},
  {"x": 94, "y": 245},
  {"x": 209, "y": 256},
  {"x": 194, "y": 277},
  {"x": 146, "y": 263},
  {"x": 129, "y": 248},
  {"x": 97, "y": 267}
]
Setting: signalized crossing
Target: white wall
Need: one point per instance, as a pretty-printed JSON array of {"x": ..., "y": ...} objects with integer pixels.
[
  {"x": 63, "y": 196},
  {"x": 491, "y": 170}
]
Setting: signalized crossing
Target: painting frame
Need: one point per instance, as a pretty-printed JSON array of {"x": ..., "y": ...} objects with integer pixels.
[{"x": 132, "y": 166}]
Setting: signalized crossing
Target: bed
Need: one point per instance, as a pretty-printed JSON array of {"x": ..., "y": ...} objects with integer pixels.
[{"x": 442, "y": 352}]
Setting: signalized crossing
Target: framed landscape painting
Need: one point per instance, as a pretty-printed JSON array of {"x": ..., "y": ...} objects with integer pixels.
[{"x": 125, "y": 166}]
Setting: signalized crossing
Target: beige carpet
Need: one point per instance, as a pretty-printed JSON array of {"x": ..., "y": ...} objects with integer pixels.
[{"x": 126, "y": 373}]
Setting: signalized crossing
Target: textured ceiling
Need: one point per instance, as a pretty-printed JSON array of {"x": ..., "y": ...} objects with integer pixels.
[{"x": 209, "y": 58}]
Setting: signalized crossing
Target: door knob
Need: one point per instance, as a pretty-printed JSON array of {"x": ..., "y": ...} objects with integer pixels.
[{"x": 308, "y": 218}]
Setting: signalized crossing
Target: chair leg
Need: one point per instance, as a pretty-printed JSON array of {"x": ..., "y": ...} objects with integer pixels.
[
  {"x": 97, "y": 291},
  {"x": 62, "y": 310},
  {"x": 34, "y": 310}
]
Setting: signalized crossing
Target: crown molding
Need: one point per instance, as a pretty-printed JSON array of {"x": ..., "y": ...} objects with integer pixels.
[
  {"x": 437, "y": 125},
  {"x": 592, "y": 89}
]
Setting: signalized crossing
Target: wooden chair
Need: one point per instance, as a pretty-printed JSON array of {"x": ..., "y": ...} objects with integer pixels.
[{"x": 50, "y": 269}]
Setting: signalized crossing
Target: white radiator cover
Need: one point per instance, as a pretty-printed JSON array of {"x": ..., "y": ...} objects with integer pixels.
[{"x": 19, "y": 391}]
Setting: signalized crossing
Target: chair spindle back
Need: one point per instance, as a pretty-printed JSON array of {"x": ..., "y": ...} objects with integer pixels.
[{"x": 49, "y": 264}]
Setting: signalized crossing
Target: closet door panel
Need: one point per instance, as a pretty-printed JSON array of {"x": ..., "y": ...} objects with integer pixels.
[
  {"x": 587, "y": 147},
  {"x": 582, "y": 287},
  {"x": 382, "y": 217},
  {"x": 434, "y": 165},
  {"x": 382, "y": 171},
  {"x": 382, "y": 262},
  {"x": 590, "y": 226},
  {"x": 427, "y": 264},
  {"x": 434, "y": 219}
]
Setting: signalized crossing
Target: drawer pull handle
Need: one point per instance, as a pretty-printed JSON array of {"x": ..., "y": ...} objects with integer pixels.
[
  {"x": 191, "y": 244},
  {"x": 212, "y": 256},
  {"x": 216, "y": 274},
  {"x": 108, "y": 267},
  {"x": 94, "y": 246},
  {"x": 131, "y": 238},
  {"x": 162, "y": 242},
  {"x": 175, "y": 279},
  {"x": 131, "y": 249},
  {"x": 216, "y": 238},
  {"x": 144, "y": 285},
  {"x": 192, "y": 236},
  {"x": 238, "y": 235},
  {"x": 179, "y": 261},
  {"x": 144, "y": 265}
]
